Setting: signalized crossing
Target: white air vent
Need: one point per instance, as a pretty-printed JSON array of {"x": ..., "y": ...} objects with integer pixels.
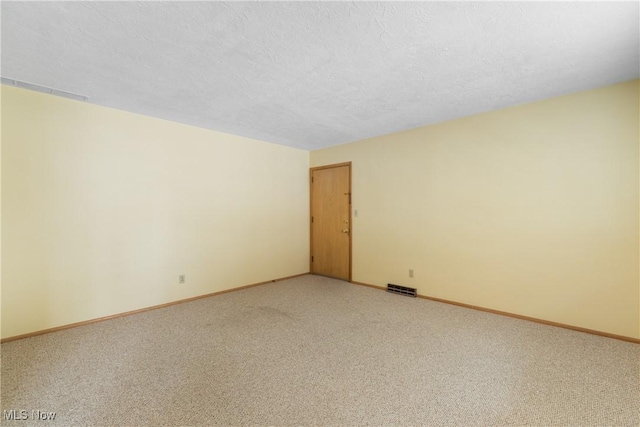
[{"x": 43, "y": 89}]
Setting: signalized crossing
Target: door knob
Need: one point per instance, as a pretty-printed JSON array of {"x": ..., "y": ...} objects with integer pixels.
[{"x": 346, "y": 230}]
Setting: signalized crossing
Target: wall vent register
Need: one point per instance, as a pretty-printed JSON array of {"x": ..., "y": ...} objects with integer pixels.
[
  {"x": 43, "y": 89},
  {"x": 401, "y": 290}
]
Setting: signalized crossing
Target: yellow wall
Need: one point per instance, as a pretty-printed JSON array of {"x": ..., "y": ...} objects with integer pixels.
[
  {"x": 0, "y": 210},
  {"x": 531, "y": 210},
  {"x": 103, "y": 209}
]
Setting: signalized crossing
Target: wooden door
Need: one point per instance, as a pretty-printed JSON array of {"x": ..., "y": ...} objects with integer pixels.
[{"x": 331, "y": 221}]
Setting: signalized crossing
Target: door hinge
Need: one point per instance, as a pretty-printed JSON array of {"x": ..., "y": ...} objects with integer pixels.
[
  {"x": 312, "y": 180},
  {"x": 311, "y": 219},
  {"x": 311, "y": 258}
]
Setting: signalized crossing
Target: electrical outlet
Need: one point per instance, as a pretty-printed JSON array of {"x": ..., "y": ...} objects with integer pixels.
[
  {"x": 411, "y": 273},
  {"x": 181, "y": 278}
]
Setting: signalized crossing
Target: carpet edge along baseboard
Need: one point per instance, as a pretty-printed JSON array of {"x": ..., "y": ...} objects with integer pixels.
[
  {"x": 140, "y": 310},
  {"x": 518, "y": 316},
  {"x": 460, "y": 304}
]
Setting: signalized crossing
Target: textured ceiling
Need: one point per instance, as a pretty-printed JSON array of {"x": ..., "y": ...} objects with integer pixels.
[{"x": 316, "y": 74}]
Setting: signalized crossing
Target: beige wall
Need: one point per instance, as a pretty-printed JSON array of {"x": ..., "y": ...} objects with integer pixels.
[
  {"x": 103, "y": 209},
  {"x": 531, "y": 210},
  {"x": 0, "y": 210}
]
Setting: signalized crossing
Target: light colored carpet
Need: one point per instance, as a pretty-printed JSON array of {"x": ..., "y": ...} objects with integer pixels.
[{"x": 317, "y": 351}]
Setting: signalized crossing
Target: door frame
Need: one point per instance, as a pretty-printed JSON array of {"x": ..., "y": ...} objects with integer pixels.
[{"x": 311, "y": 170}]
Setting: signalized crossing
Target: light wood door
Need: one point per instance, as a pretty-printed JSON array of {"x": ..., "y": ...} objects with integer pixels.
[{"x": 331, "y": 221}]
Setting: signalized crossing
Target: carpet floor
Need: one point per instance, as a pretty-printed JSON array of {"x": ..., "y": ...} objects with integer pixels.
[{"x": 317, "y": 351}]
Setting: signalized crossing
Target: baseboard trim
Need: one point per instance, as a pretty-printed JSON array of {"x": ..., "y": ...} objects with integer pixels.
[
  {"x": 141, "y": 310},
  {"x": 382, "y": 288},
  {"x": 518, "y": 316}
]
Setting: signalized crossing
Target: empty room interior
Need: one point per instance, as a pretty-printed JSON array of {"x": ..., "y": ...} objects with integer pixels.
[{"x": 320, "y": 213}]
